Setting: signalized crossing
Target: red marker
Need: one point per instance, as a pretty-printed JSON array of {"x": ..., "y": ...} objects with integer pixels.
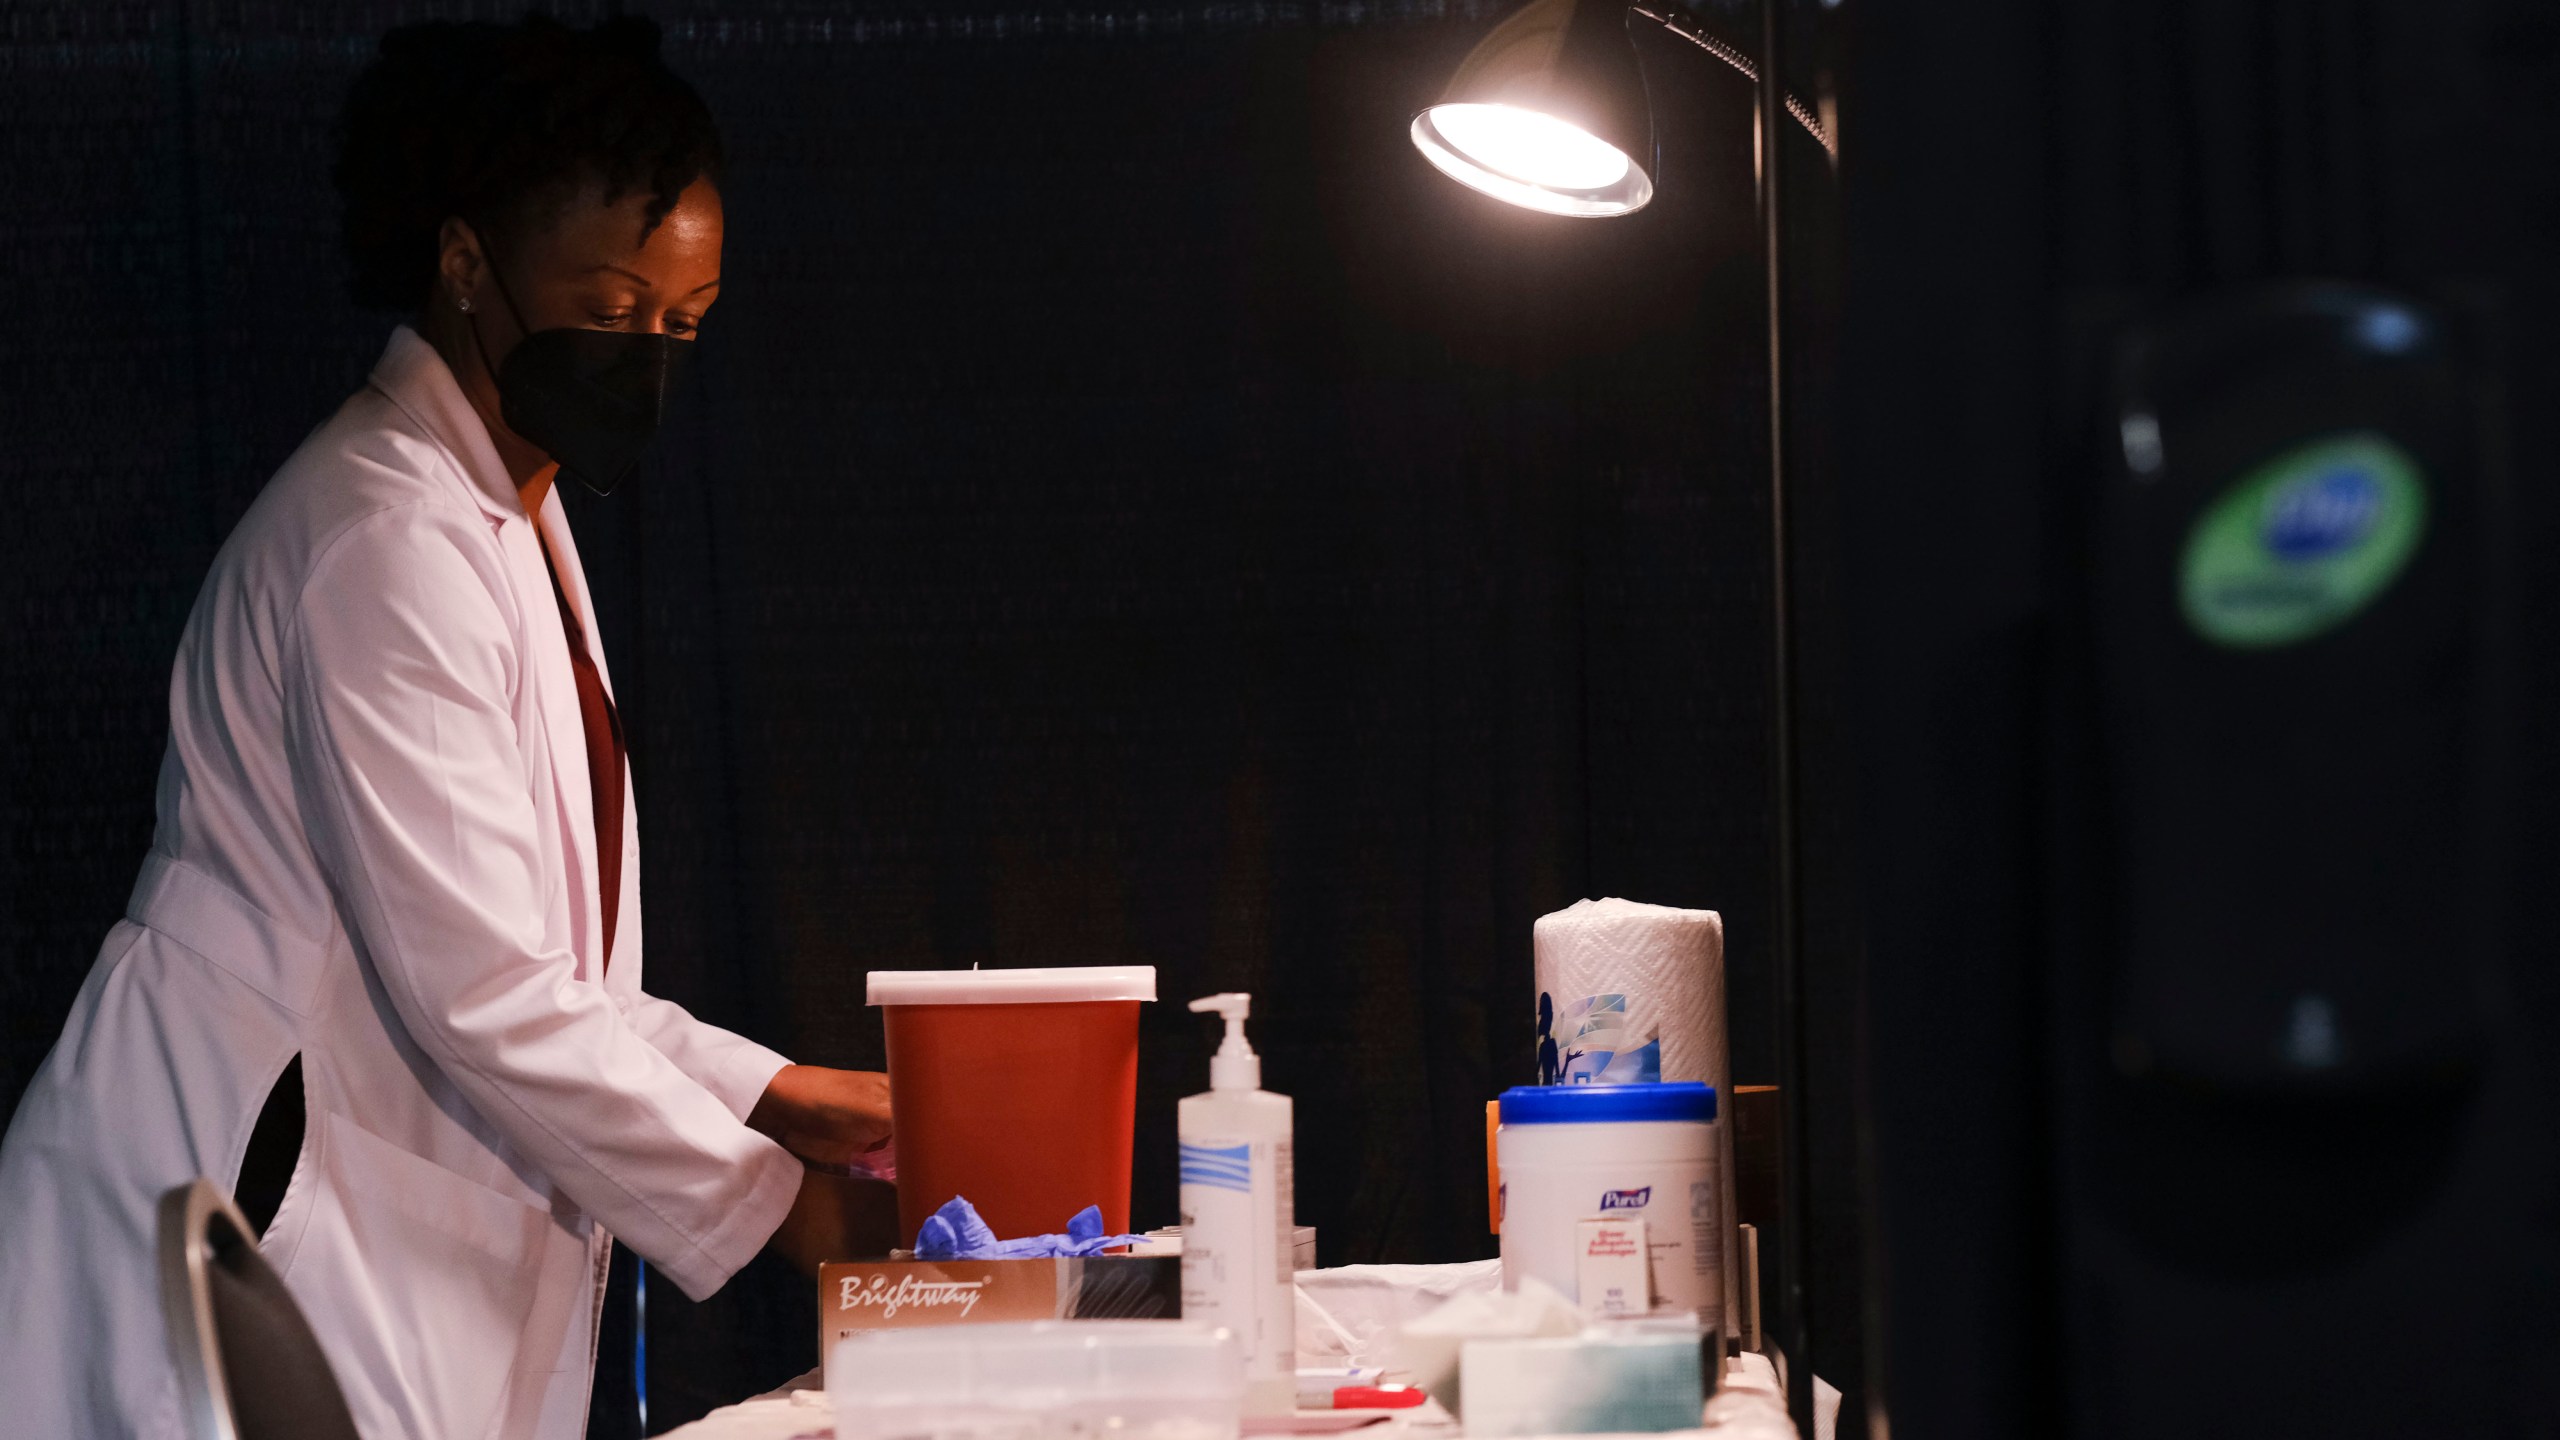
[{"x": 1363, "y": 1397}]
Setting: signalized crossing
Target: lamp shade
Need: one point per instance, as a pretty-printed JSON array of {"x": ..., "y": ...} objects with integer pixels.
[{"x": 1548, "y": 112}]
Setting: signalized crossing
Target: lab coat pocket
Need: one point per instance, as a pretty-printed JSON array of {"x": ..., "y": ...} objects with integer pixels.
[{"x": 420, "y": 1282}]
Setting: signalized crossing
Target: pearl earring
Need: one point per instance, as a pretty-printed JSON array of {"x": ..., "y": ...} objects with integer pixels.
[{"x": 465, "y": 303}]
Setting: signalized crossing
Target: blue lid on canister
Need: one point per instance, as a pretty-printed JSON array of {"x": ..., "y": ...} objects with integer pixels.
[{"x": 1677, "y": 1100}]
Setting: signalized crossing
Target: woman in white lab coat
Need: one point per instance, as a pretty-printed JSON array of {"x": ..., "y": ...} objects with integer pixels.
[{"x": 395, "y": 835}]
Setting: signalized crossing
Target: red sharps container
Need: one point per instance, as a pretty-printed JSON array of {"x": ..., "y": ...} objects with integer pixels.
[{"x": 1016, "y": 1088}]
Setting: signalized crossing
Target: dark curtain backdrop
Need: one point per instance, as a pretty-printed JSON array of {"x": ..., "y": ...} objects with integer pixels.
[
  {"x": 1132, "y": 511},
  {"x": 2022, "y": 178}
]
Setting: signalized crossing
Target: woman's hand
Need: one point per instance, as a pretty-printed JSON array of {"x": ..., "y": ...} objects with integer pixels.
[
  {"x": 830, "y": 1117},
  {"x": 838, "y": 1217}
]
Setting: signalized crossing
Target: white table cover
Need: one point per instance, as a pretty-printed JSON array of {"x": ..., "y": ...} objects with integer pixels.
[
  {"x": 1750, "y": 1406},
  {"x": 1344, "y": 1316}
]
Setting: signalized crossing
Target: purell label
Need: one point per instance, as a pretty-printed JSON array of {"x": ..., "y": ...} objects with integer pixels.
[
  {"x": 2302, "y": 544},
  {"x": 880, "y": 1295},
  {"x": 1626, "y": 1199}
]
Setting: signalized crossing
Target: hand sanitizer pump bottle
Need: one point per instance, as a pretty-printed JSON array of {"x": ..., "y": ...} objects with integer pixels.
[{"x": 1239, "y": 1214}]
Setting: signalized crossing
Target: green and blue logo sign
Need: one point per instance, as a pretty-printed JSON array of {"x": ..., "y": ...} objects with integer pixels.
[{"x": 2303, "y": 542}]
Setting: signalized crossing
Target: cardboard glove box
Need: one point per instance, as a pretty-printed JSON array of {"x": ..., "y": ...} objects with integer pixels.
[{"x": 904, "y": 1294}]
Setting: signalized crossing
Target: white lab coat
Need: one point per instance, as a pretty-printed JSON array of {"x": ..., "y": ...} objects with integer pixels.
[{"x": 376, "y": 849}]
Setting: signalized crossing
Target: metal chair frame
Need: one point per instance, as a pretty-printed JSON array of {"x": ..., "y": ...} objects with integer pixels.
[{"x": 187, "y": 1215}]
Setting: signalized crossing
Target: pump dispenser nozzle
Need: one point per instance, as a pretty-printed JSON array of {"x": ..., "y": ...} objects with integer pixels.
[{"x": 1235, "y": 1066}]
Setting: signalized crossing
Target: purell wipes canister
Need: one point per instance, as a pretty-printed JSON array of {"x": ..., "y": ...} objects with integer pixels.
[{"x": 1636, "y": 1152}]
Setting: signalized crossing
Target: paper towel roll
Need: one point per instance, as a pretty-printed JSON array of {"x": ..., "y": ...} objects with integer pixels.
[{"x": 1629, "y": 992}]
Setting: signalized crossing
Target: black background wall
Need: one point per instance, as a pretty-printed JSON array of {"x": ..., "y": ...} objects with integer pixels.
[
  {"x": 2022, "y": 180},
  {"x": 1132, "y": 512}
]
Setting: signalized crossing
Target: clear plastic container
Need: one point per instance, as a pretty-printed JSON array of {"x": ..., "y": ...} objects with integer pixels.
[
  {"x": 1015, "y": 1088},
  {"x": 1040, "y": 1380}
]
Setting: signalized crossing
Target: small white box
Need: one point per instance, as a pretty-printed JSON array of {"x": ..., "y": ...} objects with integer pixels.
[{"x": 1610, "y": 1267}]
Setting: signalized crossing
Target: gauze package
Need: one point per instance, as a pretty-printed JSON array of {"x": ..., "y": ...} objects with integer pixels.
[
  {"x": 1353, "y": 1314},
  {"x": 1432, "y": 1345}
]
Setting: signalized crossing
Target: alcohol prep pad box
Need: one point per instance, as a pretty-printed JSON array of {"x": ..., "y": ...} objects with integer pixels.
[{"x": 1572, "y": 1153}]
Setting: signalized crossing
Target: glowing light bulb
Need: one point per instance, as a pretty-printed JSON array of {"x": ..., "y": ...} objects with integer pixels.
[
  {"x": 1530, "y": 158},
  {"x": 1527, "y": 145}
]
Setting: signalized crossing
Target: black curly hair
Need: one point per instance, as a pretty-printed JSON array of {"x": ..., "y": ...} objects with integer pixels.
[{"x": 494, "y": 123}]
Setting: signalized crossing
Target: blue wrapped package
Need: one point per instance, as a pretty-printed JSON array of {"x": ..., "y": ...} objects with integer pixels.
[{"x": 955, "y": 1232}]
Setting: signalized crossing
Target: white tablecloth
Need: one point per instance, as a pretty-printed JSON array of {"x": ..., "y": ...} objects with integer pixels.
[
  {"x": 1750, "y": 1406},
  {"x": 1346, "y": 1316}
]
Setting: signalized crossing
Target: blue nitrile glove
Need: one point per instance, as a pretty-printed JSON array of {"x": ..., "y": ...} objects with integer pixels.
[
  {"x": 955, "y": 1232},
  {"x": 1084, "y": 1235}
]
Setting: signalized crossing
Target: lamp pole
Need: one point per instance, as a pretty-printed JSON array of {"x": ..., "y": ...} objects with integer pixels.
[
  {"x": 1795, "y": 1327},
  {"x": 1558, "y": 50}
]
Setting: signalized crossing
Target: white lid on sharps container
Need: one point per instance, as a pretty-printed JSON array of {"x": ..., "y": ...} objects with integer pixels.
[{"x": 1058, "y": 985}]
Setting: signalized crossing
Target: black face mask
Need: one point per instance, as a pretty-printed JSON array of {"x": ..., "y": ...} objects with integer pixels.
[{"x": 592, "y": 399}]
